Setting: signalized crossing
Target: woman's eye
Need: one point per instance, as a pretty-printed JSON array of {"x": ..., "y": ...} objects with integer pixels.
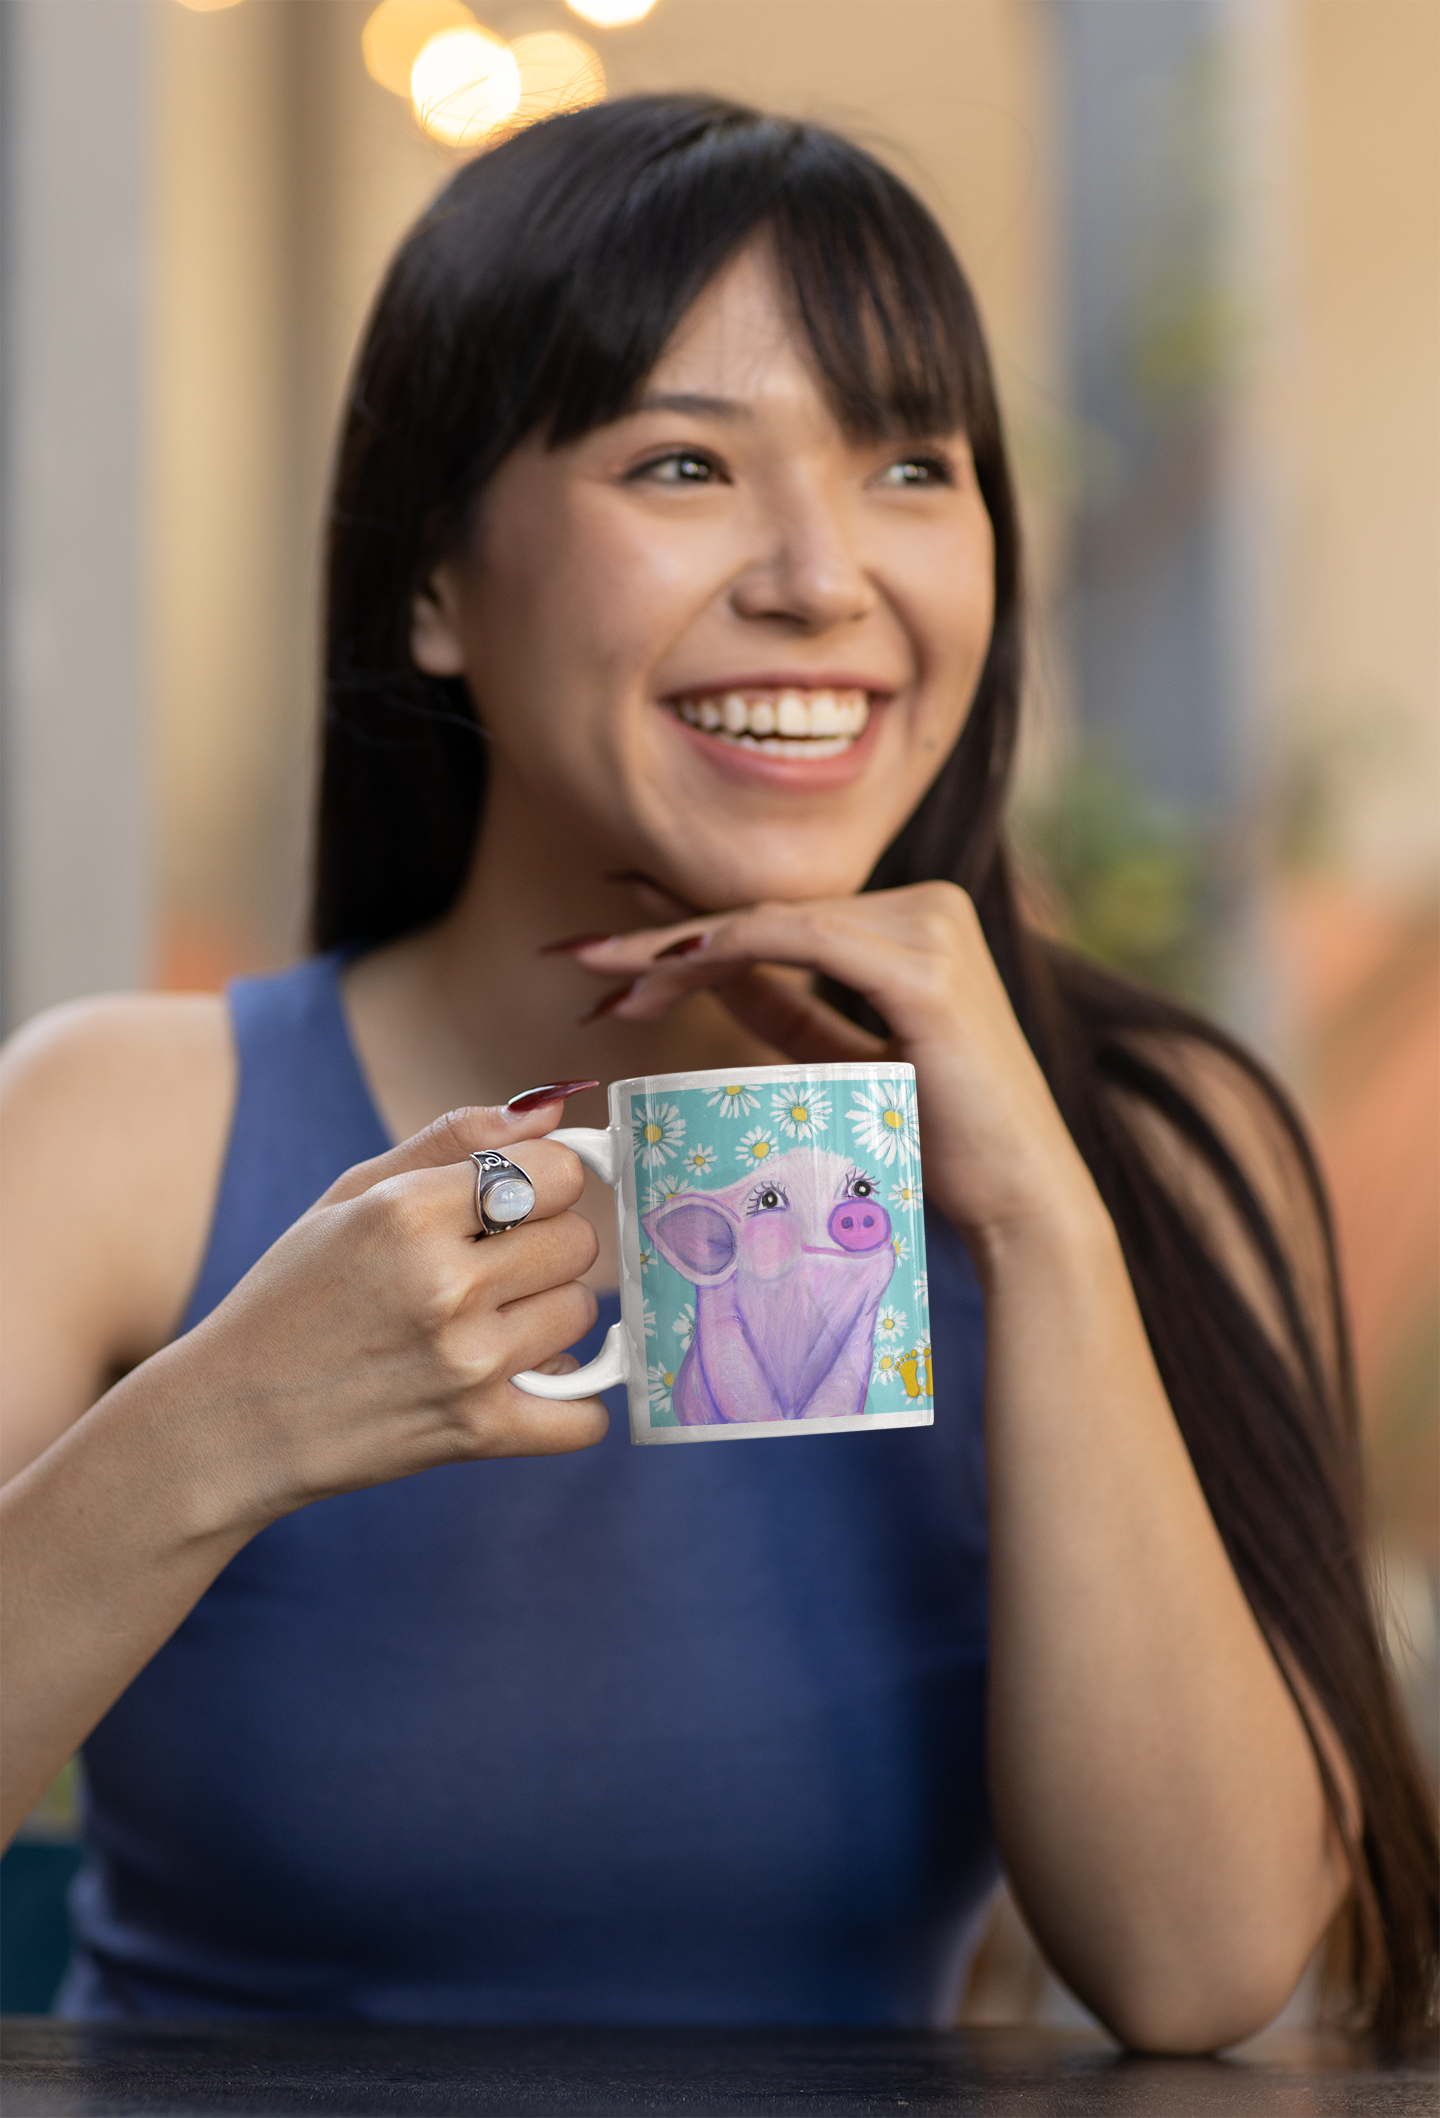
[
  {"x": 680, "y": 467},
  {"x": 917, "y": 470}
]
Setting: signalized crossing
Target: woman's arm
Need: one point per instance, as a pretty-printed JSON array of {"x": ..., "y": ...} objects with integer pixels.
[
  {"x": 1156, "y": 1796},
  {"x": 376, "y": 1338}
]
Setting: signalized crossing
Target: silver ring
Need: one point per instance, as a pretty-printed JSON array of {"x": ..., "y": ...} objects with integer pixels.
[{"x": 504, "y": 1195}]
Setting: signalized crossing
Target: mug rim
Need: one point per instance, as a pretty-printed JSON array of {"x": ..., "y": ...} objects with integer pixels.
[{"x": 817, "y": 1070}]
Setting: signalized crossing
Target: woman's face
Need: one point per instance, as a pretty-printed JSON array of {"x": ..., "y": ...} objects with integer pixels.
[{"x": 716, "y": 640}]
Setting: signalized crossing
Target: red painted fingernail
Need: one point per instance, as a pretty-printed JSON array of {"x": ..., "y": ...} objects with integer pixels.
[
  {"x": 572, "y": 942},
  {"x": 611, "y": 1001},
  {"x": 553, "y": 1092},
  {"x": 687, "y": 947}
]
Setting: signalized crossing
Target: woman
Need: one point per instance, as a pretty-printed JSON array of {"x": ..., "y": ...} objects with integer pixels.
[{"x": 668, "y": 410}]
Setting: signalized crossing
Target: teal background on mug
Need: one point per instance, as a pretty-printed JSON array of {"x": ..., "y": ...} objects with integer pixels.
[{"x": 706, "y": 1139}]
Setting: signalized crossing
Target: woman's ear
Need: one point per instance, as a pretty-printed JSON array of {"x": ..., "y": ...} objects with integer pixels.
[{"x": 435, "y": 644}]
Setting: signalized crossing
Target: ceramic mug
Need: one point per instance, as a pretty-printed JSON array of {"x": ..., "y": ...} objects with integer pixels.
[{"x": 772, "y": 1254}]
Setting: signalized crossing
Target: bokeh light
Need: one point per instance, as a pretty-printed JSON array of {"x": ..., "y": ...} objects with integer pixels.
[
  {"x": 398, "y": 31},
  {"x": 207, "y": 7},
  {"x": 464, "y": 85},
  {"x": 611, "y": 14},
  {"x": 556, "y": 73}
]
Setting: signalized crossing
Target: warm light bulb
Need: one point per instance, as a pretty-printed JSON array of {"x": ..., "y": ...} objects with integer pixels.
[
  {"x": 398, "y": 31},
  {"x": 464, "y": 85},
  {"x": 556, "y": 73},
  {"x": 610, "y": 14}
]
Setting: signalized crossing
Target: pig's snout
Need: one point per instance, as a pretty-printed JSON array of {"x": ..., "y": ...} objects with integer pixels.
[{"x": 859, "y": 1224}]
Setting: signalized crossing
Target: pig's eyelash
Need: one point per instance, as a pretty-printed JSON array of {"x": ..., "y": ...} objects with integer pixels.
[
  {"x": 767, "y": 1198},
  {"x": 854, "y": 1181}
]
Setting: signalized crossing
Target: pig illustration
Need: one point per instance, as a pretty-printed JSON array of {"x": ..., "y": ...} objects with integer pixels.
[{"x": 789, "y": 1265}]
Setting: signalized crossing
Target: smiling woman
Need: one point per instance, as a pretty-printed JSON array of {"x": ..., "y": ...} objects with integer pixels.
[{"x": 674, "y": 592}]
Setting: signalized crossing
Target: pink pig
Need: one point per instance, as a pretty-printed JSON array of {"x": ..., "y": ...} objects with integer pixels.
[{"x": 788, "y": 1266}]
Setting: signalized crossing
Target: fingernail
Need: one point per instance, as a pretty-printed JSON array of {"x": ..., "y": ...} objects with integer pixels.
[
  {"x": 573, "y": 941},
  {"x": 553, "y": 1092},
  {"x": 687, "y": 947},
  {"x": 610, "y": 1002}
]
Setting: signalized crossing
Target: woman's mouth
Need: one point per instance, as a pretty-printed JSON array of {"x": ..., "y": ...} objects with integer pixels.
[{"x": 780, "y": 722}]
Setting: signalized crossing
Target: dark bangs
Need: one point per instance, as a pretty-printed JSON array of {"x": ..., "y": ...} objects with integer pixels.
[{"x": 537, "y": 295}]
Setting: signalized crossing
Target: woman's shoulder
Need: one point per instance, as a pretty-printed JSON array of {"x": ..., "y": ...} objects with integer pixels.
[
  {"x": 124, "y": 1074},
  {"x": 114, "y": 1114}
]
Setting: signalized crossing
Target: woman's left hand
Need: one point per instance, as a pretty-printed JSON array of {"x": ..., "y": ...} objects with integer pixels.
[
  {"x": 996, "y": 1148},
  {"x": 1171, "y": 1848}
]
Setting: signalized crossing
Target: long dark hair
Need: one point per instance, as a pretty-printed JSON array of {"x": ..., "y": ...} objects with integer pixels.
[{"x": 537, "y": 295}]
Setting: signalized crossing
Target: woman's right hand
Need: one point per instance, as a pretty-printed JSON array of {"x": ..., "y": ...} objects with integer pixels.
[{"x": 378, "y": 1336}]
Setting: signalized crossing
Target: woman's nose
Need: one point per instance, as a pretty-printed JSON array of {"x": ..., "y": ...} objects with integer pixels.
[{"x": 809, "y": 576}]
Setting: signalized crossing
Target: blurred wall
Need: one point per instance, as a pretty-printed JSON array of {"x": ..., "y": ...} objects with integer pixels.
[
  {"x": 75, "y": 259},
  {"x": 1358, "y": 406}
]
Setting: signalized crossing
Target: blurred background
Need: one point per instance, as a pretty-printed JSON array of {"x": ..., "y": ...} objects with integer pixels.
[{"x": 1205, "y": 236}]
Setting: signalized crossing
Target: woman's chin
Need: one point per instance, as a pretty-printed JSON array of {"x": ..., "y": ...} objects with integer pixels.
[{"x": 729, "y": 878}]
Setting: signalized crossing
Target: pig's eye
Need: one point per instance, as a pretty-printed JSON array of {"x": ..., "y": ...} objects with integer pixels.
[
  {"x": 766, "y": 1198},
  {"x": 859, "y": 1186}
]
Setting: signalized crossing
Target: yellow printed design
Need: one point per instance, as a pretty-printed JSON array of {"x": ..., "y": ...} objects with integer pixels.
[{"x": 916, "y": 1372}]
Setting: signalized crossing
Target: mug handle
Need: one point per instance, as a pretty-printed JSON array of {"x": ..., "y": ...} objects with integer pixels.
[{"x": 599, "y": 1149}]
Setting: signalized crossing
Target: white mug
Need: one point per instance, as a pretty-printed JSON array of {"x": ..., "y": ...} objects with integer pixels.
[{"x": 772, "y": 1254}]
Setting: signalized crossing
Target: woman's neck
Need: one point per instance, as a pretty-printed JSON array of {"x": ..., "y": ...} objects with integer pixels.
[{"x": 472, "y": 1010}]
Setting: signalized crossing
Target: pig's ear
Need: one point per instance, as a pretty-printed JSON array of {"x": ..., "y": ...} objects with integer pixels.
[{"x": 697, "y": 1235}]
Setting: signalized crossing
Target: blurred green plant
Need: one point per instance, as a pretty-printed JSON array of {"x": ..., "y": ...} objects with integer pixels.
[{"x": 1123, "y": 876}]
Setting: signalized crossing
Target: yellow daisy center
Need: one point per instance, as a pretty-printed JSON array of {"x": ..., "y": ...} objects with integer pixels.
[
  {"x": 894, "y": 1119},
  {"x": 734, "y": 1088},
  {"x": 760, "y": 1149},
  {"x": 654, "y": 1132},
  {"x": 800, "y": 1112}
]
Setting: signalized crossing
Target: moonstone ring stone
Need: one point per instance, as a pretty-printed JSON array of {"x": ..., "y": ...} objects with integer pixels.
[{"x": 504, "y": 1195}]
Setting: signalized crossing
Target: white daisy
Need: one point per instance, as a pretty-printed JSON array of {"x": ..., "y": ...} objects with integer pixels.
[
  {"x": 659, "y": 1130},
  {"x": 649, "y": 1316},
  {"x": 684, "y": 1327},
  {"x": 647, "y": 1257},
  {"x": 757, "y": 1146},
  {"x": 907, "y": 1193},
  {"x": 735, "y": 1099},
  {"x": 800, "y": 1112},
  {"x": 884, "y": 1120},
  {"x": 659, "y": 1382},
  {"x": 886, "y": 1369},
  {"x": 922, "y": 1287},
  {"x": 699, "y": 1159},
  {"x": 890, "y": 1322},
  {"x": 667, "y": 1188},
  {"x": 901, "y": 1247}
]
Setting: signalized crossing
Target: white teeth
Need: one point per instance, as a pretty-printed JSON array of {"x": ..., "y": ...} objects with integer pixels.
[
  {"x": 784, "y": 724},
  {"x": 792, "y": 715}
]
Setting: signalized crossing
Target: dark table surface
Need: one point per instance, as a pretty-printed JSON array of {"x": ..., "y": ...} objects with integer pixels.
[{"x": 301, "y": 2068}]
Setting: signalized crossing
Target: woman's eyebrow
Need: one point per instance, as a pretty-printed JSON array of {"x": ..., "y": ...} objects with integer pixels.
[{"x": 696, "y": 405}]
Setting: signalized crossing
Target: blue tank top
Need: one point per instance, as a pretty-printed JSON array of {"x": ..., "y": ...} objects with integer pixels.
[{"x": 634, "y": 1735}]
